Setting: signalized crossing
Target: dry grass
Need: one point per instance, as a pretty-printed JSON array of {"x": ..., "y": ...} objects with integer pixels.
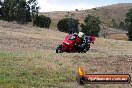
[
  {"x": 118, "y": 36},
  {"x": 106, "y": 13},
  {"x": 28, "y": 59}
]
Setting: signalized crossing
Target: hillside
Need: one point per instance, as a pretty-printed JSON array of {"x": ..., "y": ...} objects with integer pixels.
[
  {"x": 105, "y": 13},
  {"x": 28, "y": 59}
]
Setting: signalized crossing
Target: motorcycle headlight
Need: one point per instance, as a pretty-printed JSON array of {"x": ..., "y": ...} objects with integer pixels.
[{"x": 67, "y": 43}]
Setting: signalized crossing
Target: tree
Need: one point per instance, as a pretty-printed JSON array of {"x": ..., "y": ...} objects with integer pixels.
[
  {"x": 8, "y": 12},
  {"x": 1, "y": 3},
  {"x": 76, "y": 10},
  {"x": 17, "y": 10},
  {"x": 22, "y": 12},
  {"x": 34, "y": 9},
  {"x": 91, "y": 25},
  {"x": 68, "y": 25},
  {"x": 128, "y": 22},
  {"x": 42, "y": 21}
]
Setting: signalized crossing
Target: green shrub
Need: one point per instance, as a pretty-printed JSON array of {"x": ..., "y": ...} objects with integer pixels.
[
  {"x": 114, "y": 24},
  {"x": 68, "y": 25},
  {"x": 122, "y": 25},
  {"x": 42, "y": 21},
  {"x": 91, "y": 25},
  {"x": 128, "y": 22}
]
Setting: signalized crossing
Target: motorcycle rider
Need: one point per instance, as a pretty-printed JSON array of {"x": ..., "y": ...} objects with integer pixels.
[
  {"x": 76, "y": 41},
  {"x": 91, "y": 38},
  {"x": 82, "y": 37}
]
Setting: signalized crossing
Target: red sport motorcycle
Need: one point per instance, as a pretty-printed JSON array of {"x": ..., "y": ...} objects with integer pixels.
[{"x": 71, "y": 43}]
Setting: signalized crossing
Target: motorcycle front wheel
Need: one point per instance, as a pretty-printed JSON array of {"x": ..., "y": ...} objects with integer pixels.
[{"x": 59, "y": 49}]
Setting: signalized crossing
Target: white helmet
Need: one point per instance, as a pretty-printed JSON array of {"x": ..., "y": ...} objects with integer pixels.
[{"x": 80, "y": 34}]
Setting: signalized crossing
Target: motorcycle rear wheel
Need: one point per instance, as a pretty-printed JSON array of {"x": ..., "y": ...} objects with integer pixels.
[{"x": 86, "y": 49}]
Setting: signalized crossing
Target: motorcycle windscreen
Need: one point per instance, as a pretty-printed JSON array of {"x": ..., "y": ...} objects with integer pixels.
[{"x": 68, "y": 39}]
